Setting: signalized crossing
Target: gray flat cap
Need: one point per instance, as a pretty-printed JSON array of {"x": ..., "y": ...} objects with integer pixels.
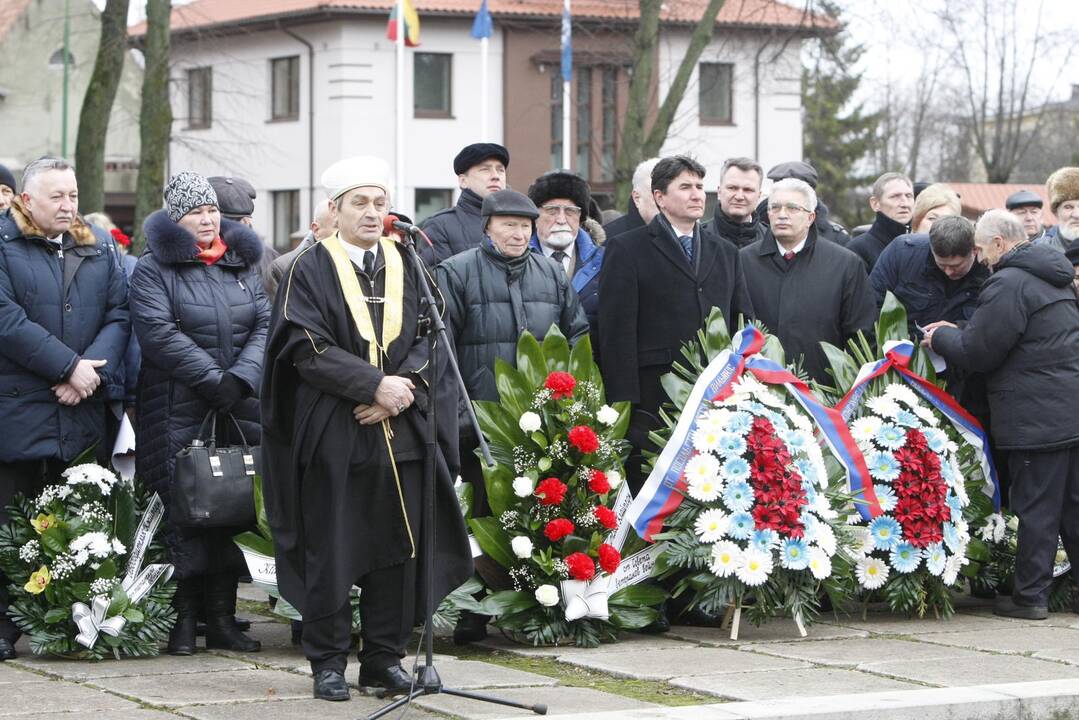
[
  {"x": 235, "y": 196},
  {"x": 509, "y": 202},
  {"x": 794, "y": 169},
  {"x": 1023, "y": 198}
]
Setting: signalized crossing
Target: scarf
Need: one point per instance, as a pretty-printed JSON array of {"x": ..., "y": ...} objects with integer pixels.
[
  {"x": 740, "y": 233},
  {"x": 214, "y": 252}
]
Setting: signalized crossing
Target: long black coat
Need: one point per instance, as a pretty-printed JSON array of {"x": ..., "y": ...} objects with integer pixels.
[
  {"x": 194, "y": 323},
  {"x": 1024, "y": 335},
  {"x": 870, "y": 244},
  {"x": 821, "y": 295},
  {"x": 454, "y": 229}
]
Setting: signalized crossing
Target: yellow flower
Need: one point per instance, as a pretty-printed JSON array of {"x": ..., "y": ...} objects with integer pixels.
[
  {"x": 38, "y": 581},
  {"x": 43, "y": 523}
]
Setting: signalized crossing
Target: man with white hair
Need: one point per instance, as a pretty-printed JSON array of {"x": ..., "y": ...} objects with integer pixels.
[
  {"x": 1063, "y": 189},
  {"x": 1024, "y": 335},
  {"x": 805, "y": 290},
  {"x": 642, "y": 206}
]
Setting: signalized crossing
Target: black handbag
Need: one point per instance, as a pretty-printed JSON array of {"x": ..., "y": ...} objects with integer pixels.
[{"x": 213, "y": 486}]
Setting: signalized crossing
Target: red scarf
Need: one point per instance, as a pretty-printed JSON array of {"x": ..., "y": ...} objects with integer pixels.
[{"x": 214, "y": 252}]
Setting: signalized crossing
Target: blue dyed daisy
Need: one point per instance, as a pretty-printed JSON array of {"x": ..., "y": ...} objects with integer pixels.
[
  {"x": 907, "y": 419},
  {"x": 756, "y": 408},
  {"x": 810, "y": 523},
  {"x": 886, "y": 532},
  {"x": 807, "y": 470},
  {"x": 795, "y": 440},
  {"x": 794, "y": 554},
  {"x": 936, "y": 440},
  {"x": 738, "y": 496},
  {"x": 885, "y": 496},
  {"x": 955, "y": 506},
  {"x": 735, "y": 469},
  {"x": 764, "y": 540},
  {"x": 740, "y": 423},
  {"x": 905, "y": 558},
  {"x": 883, "y": 466},
  {"x": 810, "y": 490},
  {"x": 731, "y": 444},
  {"x": 890, "y": 436},
  {"x": 951, "y": 536},
  {"x": 935, "y": 558},
  {"x": 741, "y": 527}
]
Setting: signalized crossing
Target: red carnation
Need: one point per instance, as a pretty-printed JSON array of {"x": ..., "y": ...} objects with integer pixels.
[
  {"x": 609, "y": 558},
  {"x": 558, "y": 529},
  {"x": 598, "y": 482},
  {"x": 551, "y": 491},
  {"x": 581, "y": 566},
  {"x": 560, "y": 384},
  {"x": 606, "y": 517},
  {"x": 120, "y": 238},
  {"x": 584, "y": 439}
]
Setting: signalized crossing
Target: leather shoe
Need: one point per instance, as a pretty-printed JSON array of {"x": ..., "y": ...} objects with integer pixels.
[
  {"x": 392, "y": 680},
  {"x": 331, "y": 685},
  {"x": 1007, "y": 607},
  {"x": 7, "y": 650}
]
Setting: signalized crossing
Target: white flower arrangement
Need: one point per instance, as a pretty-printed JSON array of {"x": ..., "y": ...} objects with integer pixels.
[{"x": 530, "y": 422}]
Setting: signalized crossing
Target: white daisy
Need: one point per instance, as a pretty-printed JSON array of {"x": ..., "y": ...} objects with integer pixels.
[
  {"x": 702, "y": 465},
  {"x": 711, "y": 525},
  {"x": 872, "y": 573},
  {"x": 903, "y": 394},
  {"x": 926, "y": 415},
  {"x": 826, "y": 538},
  {"x": 864, "y": 429},
  {"x": 951, "y": 569},
  {"x": 704, "y": 488},
  {"x": 883, "y": 405},
  {"x": 820, "y": 564},
  {"x": 715, "y": 419},
  {"x": 705, "y": 438},
  {"x": 755, "y": 567},
  {"x": 726, "y": 556}
]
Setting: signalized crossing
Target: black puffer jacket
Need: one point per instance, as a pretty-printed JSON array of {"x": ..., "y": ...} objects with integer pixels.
[
  {"x": 1024, "y": 335},
  {"x": 454, "y": 229},
  {"x": 491, "y": 300},
  {"x": 194, "y": 323}
]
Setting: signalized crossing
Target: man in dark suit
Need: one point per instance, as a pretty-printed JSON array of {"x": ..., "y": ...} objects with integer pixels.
[{"x": 658, "y": 284}]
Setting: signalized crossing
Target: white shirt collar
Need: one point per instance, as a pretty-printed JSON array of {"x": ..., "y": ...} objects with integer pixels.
[
  {"x": 355, "y": 253},
  {"x": 796, "y": 249},
  {"x": 567, "y": 261}
]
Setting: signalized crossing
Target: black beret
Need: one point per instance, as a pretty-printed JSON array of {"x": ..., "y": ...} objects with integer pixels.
[
  {"x": 562, "y": 184},
  {"x": 508, "y": 202},
  {"x": 7, "y": 178},
  {"x": 235, "y": 196},
  {"x": 794, "y": 169},
  {"x": 1023, "y": 198},
  {"x": 474, "y": 154}
]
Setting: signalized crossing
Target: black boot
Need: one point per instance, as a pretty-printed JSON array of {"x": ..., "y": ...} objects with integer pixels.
[
  {"x": 221, "y": 630},
  {"x": 187, "y": 600}
]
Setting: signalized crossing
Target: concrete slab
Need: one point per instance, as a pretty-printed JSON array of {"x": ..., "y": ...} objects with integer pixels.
[
  {"x": 77, "y": 670},
  {"x": 55, "y": 697},
  {"x": 1064, "y": 655},
  {"x": 470, "y": 674},
  {"x": 557, "y": 699},
  {"x": 359, "y": 707},
  {"x": 229, "y": 686},
  {"x": 247, "y": 591},
  {"x": 664, "y": 663},
  {"x": 800, "y": 682},
  {"x": 1046, "y": 699},
  {"x": 1010, "y": 640},
  {"x": 889, "y": 624},
  {"x": 12, "y": 674},
  {"x": 974, "y": 671},
  {"x": 778, "y": 630},
  {"x": 852, "y": 652},
  {"x": 628, "y": 641}
]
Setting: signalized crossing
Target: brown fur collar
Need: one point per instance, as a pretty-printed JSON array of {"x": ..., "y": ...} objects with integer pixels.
[{"x": 80, "y": 231}]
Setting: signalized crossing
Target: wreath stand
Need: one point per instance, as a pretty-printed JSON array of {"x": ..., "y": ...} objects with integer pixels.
[{"x": 732, "y": 619}]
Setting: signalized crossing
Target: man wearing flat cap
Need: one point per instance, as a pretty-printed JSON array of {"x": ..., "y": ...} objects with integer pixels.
[
  {"x": 827, "y": 229},
  {"x": 480, "y": 170},
  {"x": 1027, "y": 206},
  {"x": 236, "y": 197},
  {"x": 343, "y": 399},
  {"x": 1063, "y": 189}
]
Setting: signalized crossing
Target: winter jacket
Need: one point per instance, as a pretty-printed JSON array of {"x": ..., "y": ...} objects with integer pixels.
[
  {"x": 870, "y": 244},
  {"x": 1024, "y": 335},
  {"x": 55, "y": 308},
  {"x": 492, "y": 299},
  {"x": 630, "y": 221},
  {"x": 588, "y": 260},
  {"x": 1051, "y": 237},
  {"x": 821, "y": 295},
  {"x": 454, "y": 229},
  {"x": 195, "y": 323},
  {"x": 282, "y": 263}
]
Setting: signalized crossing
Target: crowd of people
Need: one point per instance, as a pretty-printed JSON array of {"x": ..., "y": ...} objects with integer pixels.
[{"x": 321, "y": 355}]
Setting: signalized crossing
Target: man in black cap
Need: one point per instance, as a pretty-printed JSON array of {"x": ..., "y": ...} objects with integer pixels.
[
  {"x": 7, "y": 188},
  {"x": 1027, "y": 206},
  {"x": 826, "y": 228},
  {"x": 236, "y": 200},
  {"x": 481, "y": 170}
]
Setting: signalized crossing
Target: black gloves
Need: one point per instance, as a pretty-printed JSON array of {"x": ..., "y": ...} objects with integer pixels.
[{"x": 229, "y": 391}]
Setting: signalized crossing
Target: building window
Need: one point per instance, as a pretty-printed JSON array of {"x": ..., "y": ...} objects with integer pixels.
[
  {"x": 584, "y": 121},
  {"x": 286, "y": 218},
  {"x": 431, "y": 200},
  {"x": 285, "y": 88},
  {"x": 199, "y": 97},
  {"x": 433, "y": 82},
  {"x": 56, "y": 60},
  {"x": 610, "y": 123},
  {"x": 716, "y": 87},
  {"x": 556, "y": 120}
]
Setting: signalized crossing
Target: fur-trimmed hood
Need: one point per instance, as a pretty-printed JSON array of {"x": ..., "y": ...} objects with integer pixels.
[
  {"x": 595, "y": 230},
  {"x": 171, "y": 244},
  {"x": 79, "y": 231}
]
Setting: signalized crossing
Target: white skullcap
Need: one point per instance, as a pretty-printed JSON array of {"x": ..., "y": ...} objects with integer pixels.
[{"x": 359, "y": 171}]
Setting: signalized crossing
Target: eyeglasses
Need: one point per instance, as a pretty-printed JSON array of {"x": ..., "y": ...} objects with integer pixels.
[
  {"x": 572, "y": 211},
  {"x": 789, "y": 207}
]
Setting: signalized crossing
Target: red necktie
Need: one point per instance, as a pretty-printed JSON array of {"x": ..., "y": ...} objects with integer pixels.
[{"x": 789, "y": 255}]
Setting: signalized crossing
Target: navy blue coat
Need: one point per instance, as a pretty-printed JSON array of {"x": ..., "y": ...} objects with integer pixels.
[
  {"x": 52, "y": 312},
  {"x": 588, "y": 259},
  {"x": 194, "y": 323}
]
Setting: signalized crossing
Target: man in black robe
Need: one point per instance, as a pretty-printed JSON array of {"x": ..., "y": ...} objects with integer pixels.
[{"x": 343, "y": 405}]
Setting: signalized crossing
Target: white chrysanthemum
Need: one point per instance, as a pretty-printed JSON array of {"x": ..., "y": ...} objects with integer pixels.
[
  {"x": 951, "y": 569},
  {"x": 96, "y": 544},
  {"x": 823, "y": 508},
  {"x": 522, "y": 486},
  {"x": 820, "y": 562},
  {"x": 614, "y": 479},
  {"x": 864, "y": 429},
  {"x": 826, "y": 538},
  {"x": 547, "y": 595},
  {"x": 872, "y": 573},
  {"x": 118, "y": 547},
  {"x": 726, "y": 556},
  {"x": 91, "y": 474},
  {"x": 706, "y": 438},
  {"x": 755, "y": 567},
  {"x": 522, "y": 546},
  {"x": 530, "y": 422},
  {"x": 903, "y": 394},
  {"x": 711, "y": 525},
  {"x": 883, "y": 405},
  {"x": 607, "y": 415},
  {"x": 715, "y": 419}
]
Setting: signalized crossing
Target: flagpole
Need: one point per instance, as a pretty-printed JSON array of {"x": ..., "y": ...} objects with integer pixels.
[
  {"x": 567, "y": 76},
  {"x": 483, "y": 89},
  {"x": 399, "y": 135}
]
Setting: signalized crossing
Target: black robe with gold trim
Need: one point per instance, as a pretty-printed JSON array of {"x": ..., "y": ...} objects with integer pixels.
[{"x": 333, "y": 493}]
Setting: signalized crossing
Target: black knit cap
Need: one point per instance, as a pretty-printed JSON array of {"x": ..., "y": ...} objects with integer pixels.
[
  {"x": 7, "y": 178},
  {"x": 1023, "y": 198},
  {"x": 562, "y": 184},
  {"x": 474, "y": 154},
  {"x": 235, "y": 196}
]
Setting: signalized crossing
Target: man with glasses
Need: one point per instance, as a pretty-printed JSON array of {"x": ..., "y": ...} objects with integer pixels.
[
  {"x": 805, "y": 291},
  {"x": 1063, "y": 189},
  {"x": 566, "y": 234}
]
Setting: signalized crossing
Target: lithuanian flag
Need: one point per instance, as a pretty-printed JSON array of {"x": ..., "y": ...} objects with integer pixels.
[{"x": 412, "y": 23}]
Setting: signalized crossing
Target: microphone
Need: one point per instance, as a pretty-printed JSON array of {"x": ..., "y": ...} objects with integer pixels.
[{"x": 402, "y": 225}]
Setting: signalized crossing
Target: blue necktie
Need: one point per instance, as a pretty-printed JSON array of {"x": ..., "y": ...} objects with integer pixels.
[{"x": 687, "y": 246}]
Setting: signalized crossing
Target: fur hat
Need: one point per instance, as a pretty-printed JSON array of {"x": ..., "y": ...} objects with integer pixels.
[
  {"x": 1063, "y": 185},
  {"x": 187, "y": 191},
  {"x": 561, "y": 184}
]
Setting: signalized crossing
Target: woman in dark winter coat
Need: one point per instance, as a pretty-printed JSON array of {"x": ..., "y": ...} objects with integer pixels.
[{"x": 201, "y": 316}]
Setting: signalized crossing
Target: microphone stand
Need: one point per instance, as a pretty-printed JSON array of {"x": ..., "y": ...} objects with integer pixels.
[{"x": 428, "y": 681}]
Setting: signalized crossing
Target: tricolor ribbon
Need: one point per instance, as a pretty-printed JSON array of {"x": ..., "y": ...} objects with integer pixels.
[
  {"x": 91, "y": 621},
  {"x": 898, "y": 356},
  {"x": 586, "y": 599}
]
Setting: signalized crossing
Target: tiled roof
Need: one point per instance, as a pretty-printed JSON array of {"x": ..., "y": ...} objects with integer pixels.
[
  {"x": 10, "y": 10},
  {"x": 979, "y": 197},
  {"x": 206, "y": 14}
]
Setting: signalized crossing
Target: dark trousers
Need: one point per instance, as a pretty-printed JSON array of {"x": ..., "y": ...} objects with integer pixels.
[
  {"x": 472, "y": 473},
  {"x": 1045, "y": 497},
  {"x": 26, "y": 478},
  {"x": 641, "y": 423}
]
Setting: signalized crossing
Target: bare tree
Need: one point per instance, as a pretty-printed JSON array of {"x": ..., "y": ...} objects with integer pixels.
[
  {"x": 97, "y": 106},
  {"x": 155, "y": 116}
]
